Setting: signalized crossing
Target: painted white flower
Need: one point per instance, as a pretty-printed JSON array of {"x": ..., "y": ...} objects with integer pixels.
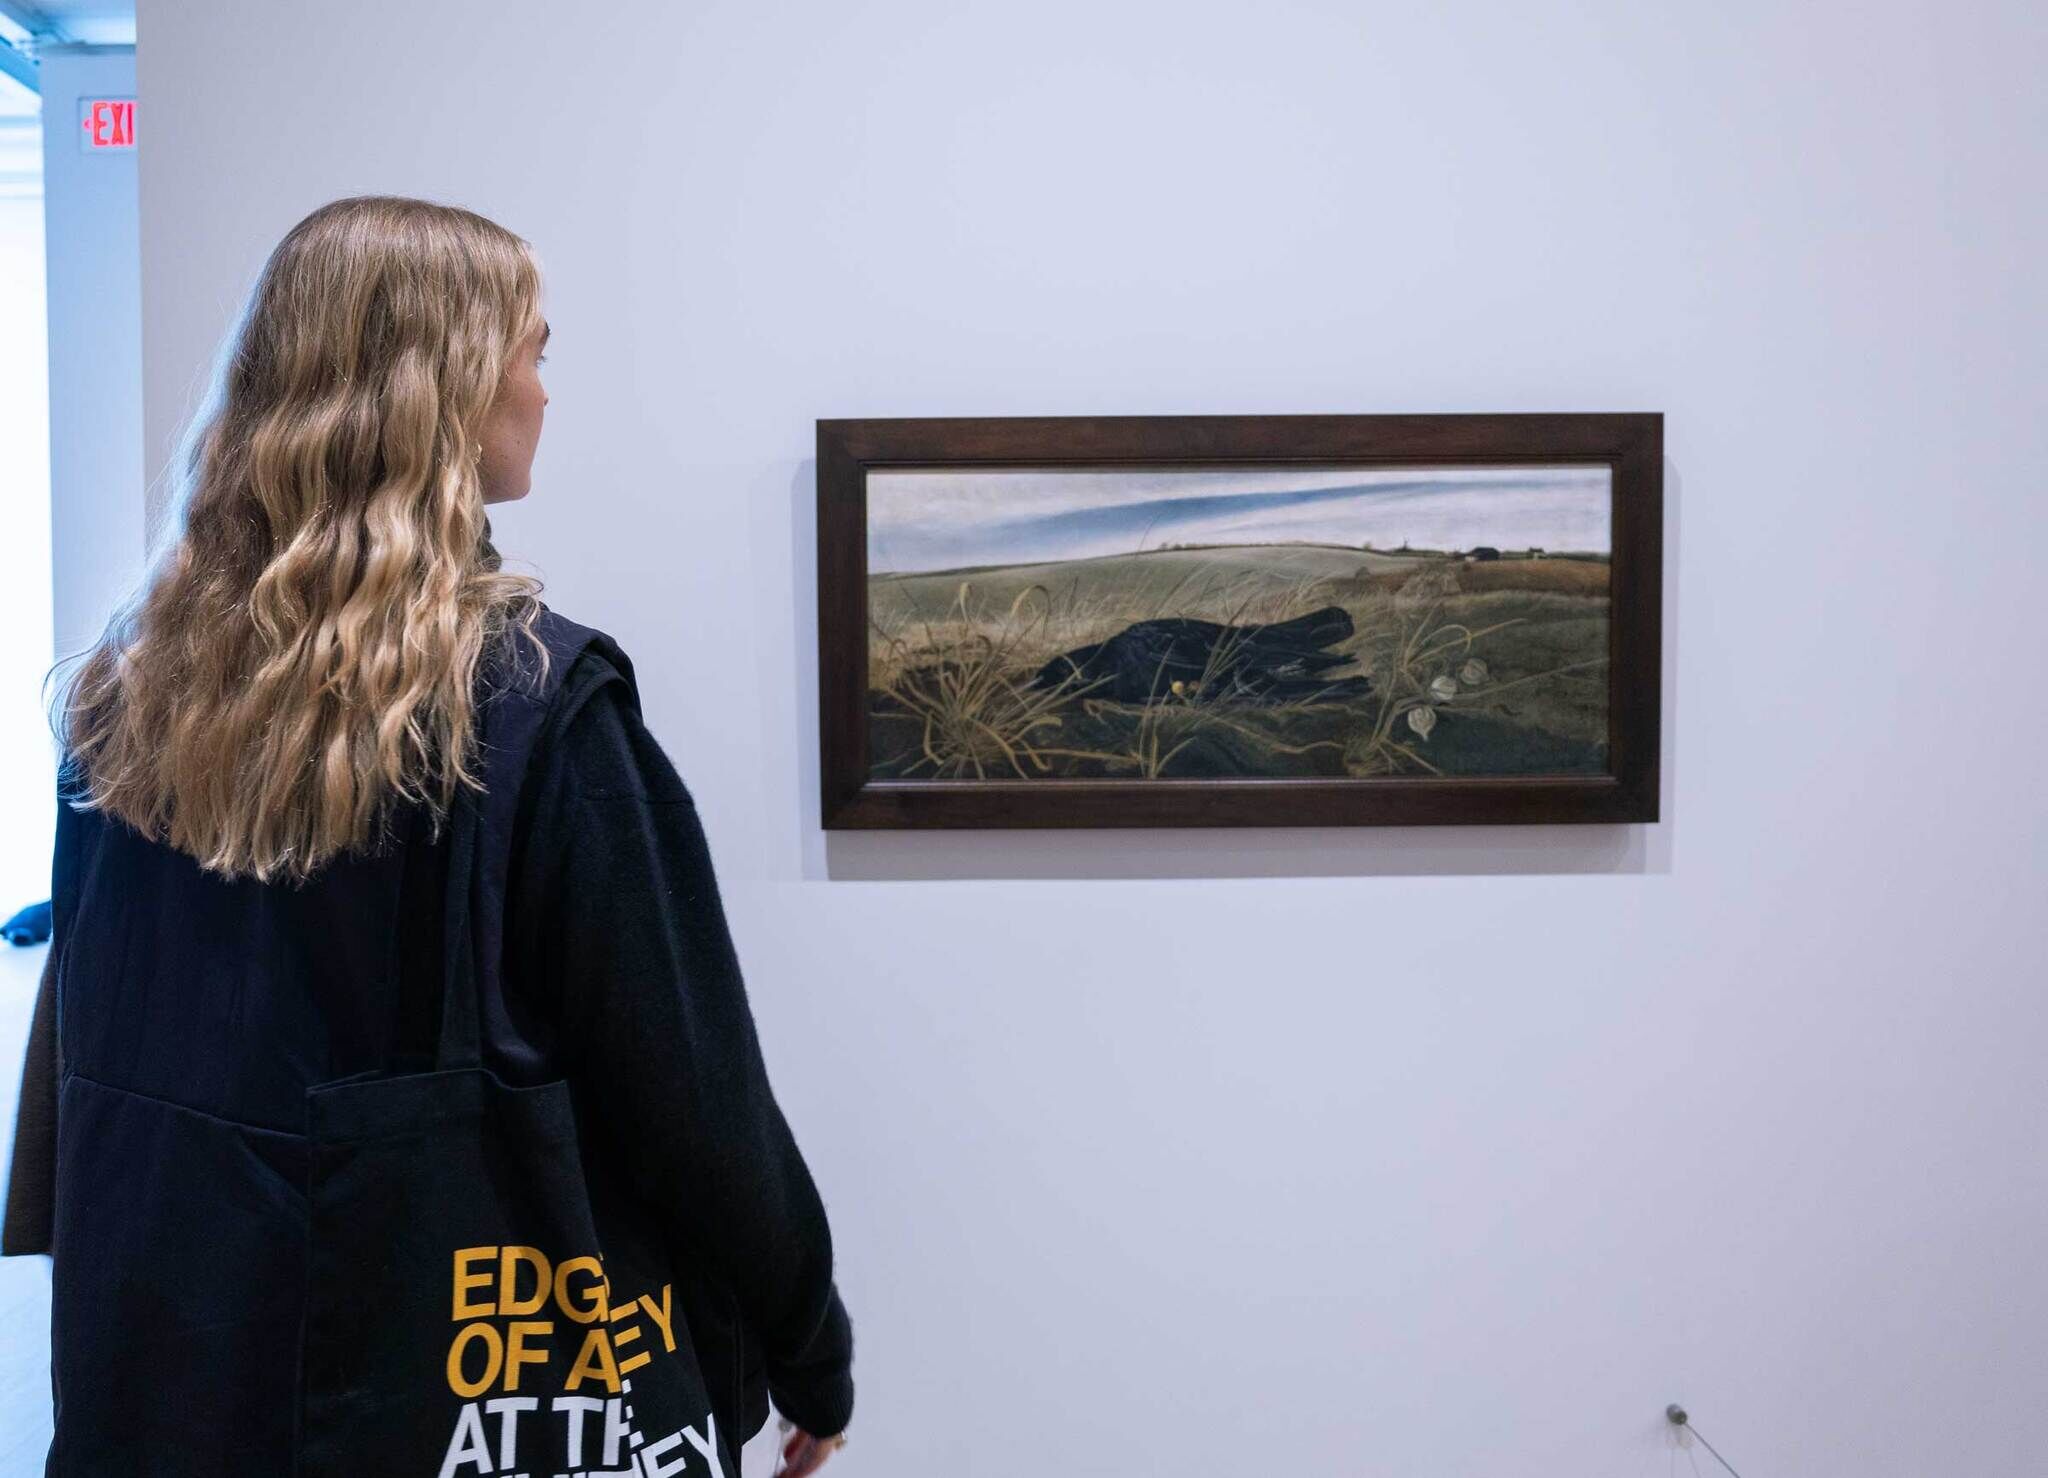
[
  {"x": 1473, "y": 673},
  {"x": 1422, "y": 720},
  {"x": 1444, "y": 688}
]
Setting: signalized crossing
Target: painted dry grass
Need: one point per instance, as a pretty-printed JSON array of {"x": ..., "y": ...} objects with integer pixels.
[{"x": 951, "y": 657}]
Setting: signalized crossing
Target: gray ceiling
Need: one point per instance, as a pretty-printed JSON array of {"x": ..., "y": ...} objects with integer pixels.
[{"x": 94, "y": 22}]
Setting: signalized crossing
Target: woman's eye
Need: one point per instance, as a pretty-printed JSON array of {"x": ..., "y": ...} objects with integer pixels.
[{"x": 540, "y": 359}]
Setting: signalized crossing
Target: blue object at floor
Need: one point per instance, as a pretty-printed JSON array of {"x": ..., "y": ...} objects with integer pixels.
[{"x": 30, "y": 926}]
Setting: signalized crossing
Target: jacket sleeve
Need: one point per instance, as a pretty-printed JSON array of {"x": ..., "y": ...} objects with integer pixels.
[
  {"x": 30, "y": 1220},
  {"x": 650, "y": 1000},
  {"x": 32, "y": 1174}
]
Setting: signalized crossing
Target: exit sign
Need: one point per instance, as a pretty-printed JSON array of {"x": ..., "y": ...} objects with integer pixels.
[{"x": 106, "y": 123}]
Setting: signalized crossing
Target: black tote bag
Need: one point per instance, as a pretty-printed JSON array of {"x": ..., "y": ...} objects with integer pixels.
[{"x": 475, "y": 1304}]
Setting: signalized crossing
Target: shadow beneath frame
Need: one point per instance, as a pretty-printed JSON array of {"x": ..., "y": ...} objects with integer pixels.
[
  {"x": 1235, "y": 852},
  {"x": 1219, "y": 852}
]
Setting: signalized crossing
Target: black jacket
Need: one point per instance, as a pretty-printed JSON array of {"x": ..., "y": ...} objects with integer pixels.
[{"x": 613, "y": 967}]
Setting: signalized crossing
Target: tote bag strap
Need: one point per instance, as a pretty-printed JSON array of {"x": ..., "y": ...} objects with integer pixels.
[
  {"x": 460, "y": 1042},
  {"x": 509, "y": 722}
]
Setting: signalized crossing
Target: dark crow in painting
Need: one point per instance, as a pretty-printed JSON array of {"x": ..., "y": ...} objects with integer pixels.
[{"x": 1208, "y": 662}]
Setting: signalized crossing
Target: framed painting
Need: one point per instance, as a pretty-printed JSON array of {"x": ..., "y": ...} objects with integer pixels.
[{"x": 1291, "y": 620}]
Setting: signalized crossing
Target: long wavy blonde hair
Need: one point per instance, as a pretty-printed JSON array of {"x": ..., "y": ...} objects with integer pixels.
[{"x": 303, "y": 655}]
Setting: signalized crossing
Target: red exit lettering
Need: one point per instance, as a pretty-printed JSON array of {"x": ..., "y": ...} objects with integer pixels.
[{"x": 109, "y": 123}]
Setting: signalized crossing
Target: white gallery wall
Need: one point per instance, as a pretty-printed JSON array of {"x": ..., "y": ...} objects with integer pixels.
[
  {"x": 28, "y": 769},
  {"x": 1450, "y": 1152},
  {"x": 96, "y": 417}
]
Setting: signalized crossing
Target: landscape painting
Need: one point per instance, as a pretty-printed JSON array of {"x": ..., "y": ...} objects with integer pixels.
[
  {"x": 1270, "y": 620},
  {"x": 1238, "y": 623}
]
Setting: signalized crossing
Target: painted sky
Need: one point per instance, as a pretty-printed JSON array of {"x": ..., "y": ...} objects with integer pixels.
[{"x": 941, "y": 519}]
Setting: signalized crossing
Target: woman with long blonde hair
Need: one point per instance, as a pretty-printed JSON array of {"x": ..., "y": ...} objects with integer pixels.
[{"x": 348, "y": 811}]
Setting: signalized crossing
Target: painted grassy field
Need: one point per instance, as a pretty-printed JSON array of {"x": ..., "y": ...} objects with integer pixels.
[{"x": 1495, "y": 667}]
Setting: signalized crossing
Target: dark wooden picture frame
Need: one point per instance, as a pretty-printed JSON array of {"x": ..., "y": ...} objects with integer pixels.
[{"x": 1630, "y": 445}]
